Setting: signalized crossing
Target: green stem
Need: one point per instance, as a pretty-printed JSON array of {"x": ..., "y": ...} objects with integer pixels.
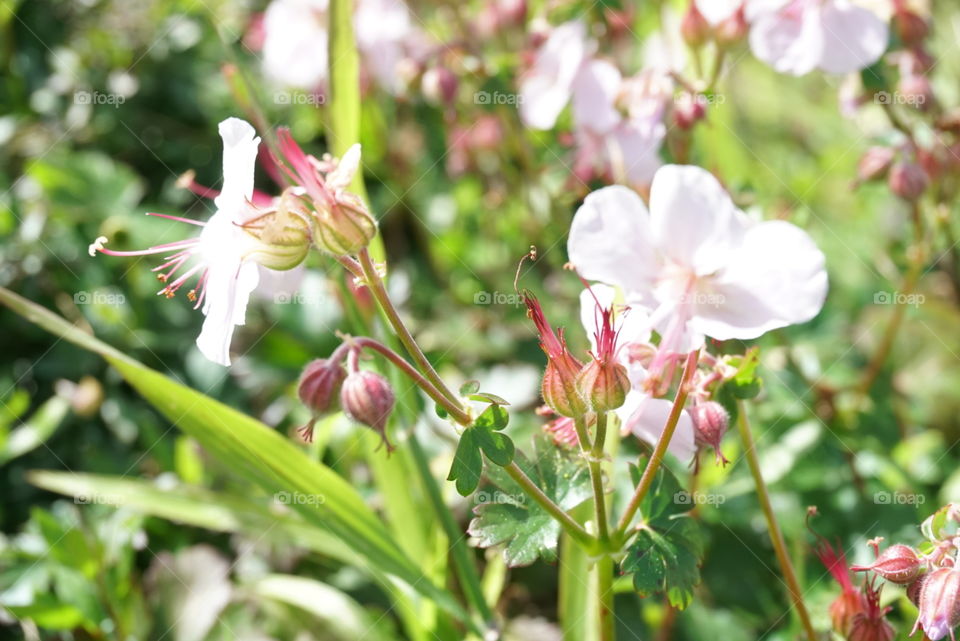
[
  {"x": 776, "y": 535},
  {"x": 379, "y": 292},
  {"x": 605, "y": 597},
  {"x": 656, "y": 459},
  {"x": 462, "y": 560},
  {"x": 594, "y": 455}
]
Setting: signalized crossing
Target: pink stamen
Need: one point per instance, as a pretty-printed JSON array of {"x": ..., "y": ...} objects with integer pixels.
[{"x": 189, "y": 221}]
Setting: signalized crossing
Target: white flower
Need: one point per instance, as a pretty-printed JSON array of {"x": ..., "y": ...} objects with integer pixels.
[
  {"x": 295, "y": 43},
  {"x": 226, "y": 253},
  {"x": 798, "y": 36},
  {"x": 696, "y": 261},
  {"x": 547, "y": 87}
]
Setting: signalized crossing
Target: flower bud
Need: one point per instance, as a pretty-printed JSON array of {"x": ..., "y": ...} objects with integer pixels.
[
  {"x": 319, "y": 386},
  {"x": 603, "y": 385},
  {"x": 916, "y": 91},
  {"x": 439, "y": 85},
  {"x": 710, "y": 423},
  {"x": 367, "y": 398},
  {"x": 688, "y": 110},
  {"x": 345, "y": 227},
  {"x": 867, "y": 628},
  {"x": 694, "y": 27},
  {"x": 875, "y": 163},
  {"x": 732, "y": 29},
  {"x": 907, "y": 180},
  {"x": 898, "y": 563},
  {"x": 845, "y": 609},
  {"x": 939, "y": 603},
  {"x": 559, "y": 388},
  {"x": 909, "y": 27},
  {"x": 914, "y": 590}
]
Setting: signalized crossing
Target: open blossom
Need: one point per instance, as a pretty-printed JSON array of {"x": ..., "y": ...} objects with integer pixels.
[
  {"x": 798, "y": 36},
  {"x": 238, "y": 244},
  {"x": 697, "y": 262},
  {"x": 295, "y": 41}
]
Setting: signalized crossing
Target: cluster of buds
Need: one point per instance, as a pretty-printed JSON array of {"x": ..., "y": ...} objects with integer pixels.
[
  {"x": 364, "y": 396},
  {"x": 697, "y": 31},
  {"x": 342, "y": 224},
  {"x": 902, "y": 168},
  {"x": 929, "y": 574}
]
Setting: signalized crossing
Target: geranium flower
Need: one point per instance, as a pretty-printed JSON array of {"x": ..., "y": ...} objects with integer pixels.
[
  {"x": 237, "y": 242},
  {"x": 696, "y": 261},
  {"x": 548, "y": 86},
  {"x": 798, "y": 36}
]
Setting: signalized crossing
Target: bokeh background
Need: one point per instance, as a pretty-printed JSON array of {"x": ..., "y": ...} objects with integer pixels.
[{"x": 105, "y": 104}]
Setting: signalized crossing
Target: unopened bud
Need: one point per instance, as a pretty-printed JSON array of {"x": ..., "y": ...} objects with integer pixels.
[
  {"x": 845, "y": 609},
  {"x": 367, "y": 398},
  {"x": 559, "y": 388},
  {"x": 871, "y": 628},
  {"x": 318, "y": 389},
  {"x": 898, "y": 563},
  {"x": 688, "y": 111},
  {"x": 907, "y": 180},
  {"x": 694, "y": 27},
  {"x": 875, "y": 163},
  {"x": 344, "y": 228},
  {"x": 281, "y": 238},
  {"x": 909, "y": 27},
  {"x": 939, "y": 603},
  {"x": 439, "y": 85},
  {"x": 710, "y": 423},
  {"x": 732, "y": 29},
  {"x": 915, "y": 588},
  {"x": 603, "y": 385}
]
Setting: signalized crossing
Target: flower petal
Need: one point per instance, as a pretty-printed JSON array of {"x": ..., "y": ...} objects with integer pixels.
[
  {"x": 854, "y": 37},
  {"x": 228, "y": 287},
  {"x": 646, "y": 417},
  {"x": 693, "y": 219},
  {"x": 295, "y": 43},
  {"x": 595, "y": 91},
  {"x": 790, "y": 39},
  {"x": 777, "y": 278},
  {"x": 240, "y": 144},
  {"x": 546, "y": 89},
  {"x": 633, "y": 150},
  {"x": 610, "y": 241}
]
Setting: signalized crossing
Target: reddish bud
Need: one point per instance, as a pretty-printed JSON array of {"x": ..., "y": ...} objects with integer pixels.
[
  {"x": 439, "y": 85},
  {"x": 875, "y": 163},
  {"x": 319, "y": 386},
  {"x": 367, "y": 398},
  {"x": 689, "y": 110},
  {"x": 845, "y": 609},
  {"x": 871, "y": 624},
  {"x": 907, "y": 180},
  {"x": 710, "y": 423},
  {"x": 603, "y": 385},
  {"x": 732, "y": 29},
  {"x": 939, "y": 603},
  {"x": 559, "y": 386},
  {"x": 898, "y": 563},
  {"x": 916, "y": 91},
  {"x": 914, "y": 590},
  {"x": 694, "y": 27},
  {"x": 909, "y": 26}
]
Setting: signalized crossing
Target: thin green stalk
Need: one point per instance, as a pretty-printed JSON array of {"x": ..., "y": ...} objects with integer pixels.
[
  {"x": 656, "y": 459},
  {"x": 594, "y": 455},
  {"x": 776, "y": 535},
  {"x": 603, "y": 570}
]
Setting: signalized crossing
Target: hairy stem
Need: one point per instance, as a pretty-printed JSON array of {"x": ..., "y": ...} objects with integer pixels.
[
  {"x": 776, "y": 535},
  {"x": 656, "y": 459}
]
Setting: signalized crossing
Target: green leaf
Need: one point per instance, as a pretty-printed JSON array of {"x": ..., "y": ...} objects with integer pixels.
[
  {"x": 526, "y": 529},
  {"x": 497, "y": 446},
  {"x": 666, "y": 554},
  {"x": 488, "y": 397},
  {"x": 38, "y": 428},
  {"x": 257, "y": 453},
  {"x": 467, "y": 464},
  {"x": 745, "y": 383},
  {"x": 441, "y": 411},
  {"x": 470, "y": 387},
  {"x": 494, "y": 417}
]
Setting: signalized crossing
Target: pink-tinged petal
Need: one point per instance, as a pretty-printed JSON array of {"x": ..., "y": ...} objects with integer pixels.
[
  {"x": 340, "y": 177},
  {"x": 595, "y": 91},
  {"x": 645, "y": 418},
  {"x": 610, "y": 241},
  {"x": 790, "y": 40},
  {"x": 776, "y": 278},
  {"x": 693, "y": 219},
  {"x": 633, "y": 150},
  {"x": 547, "y": 87},
  {"x": 295, "y": 43},
  {"x": 240, "y": 144},
  {"x": 854, "y": 37}
]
